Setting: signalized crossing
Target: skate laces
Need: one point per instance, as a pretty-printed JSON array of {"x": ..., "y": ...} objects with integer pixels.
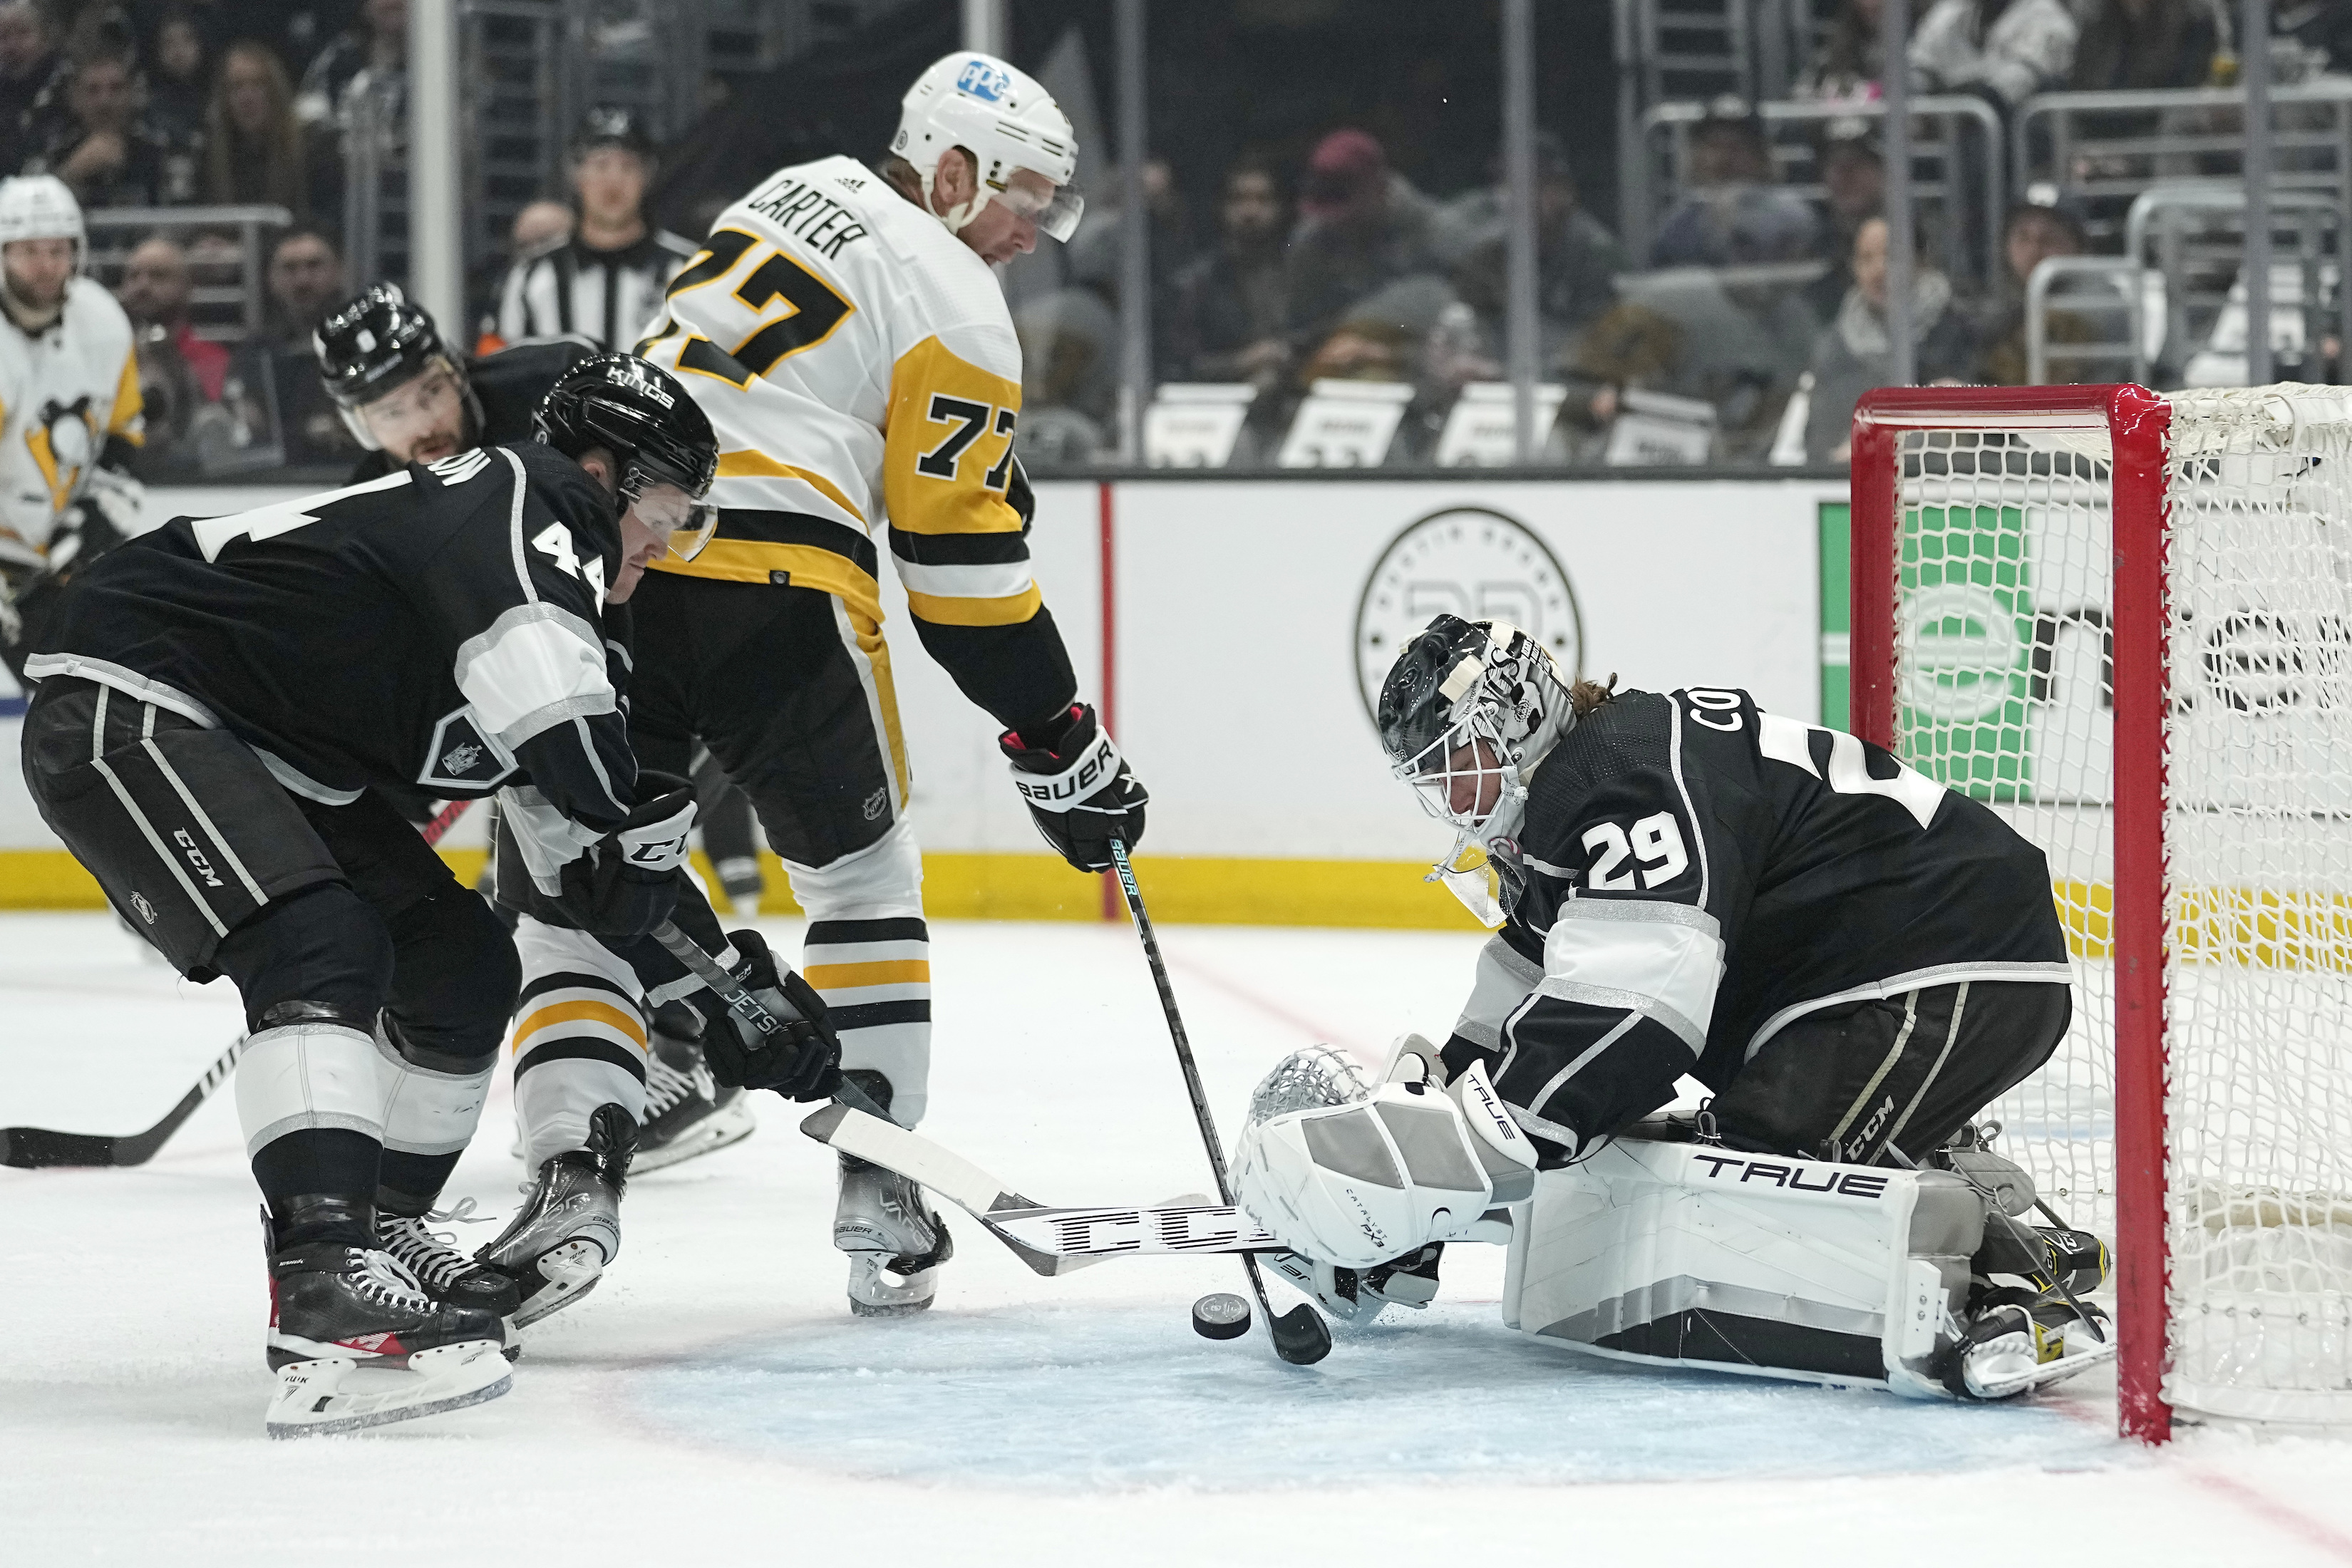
[
  {"x": 665, "y": 1086},
  {"x": 382, "y": 1279},
  {"x": 430, "y": 1258}
]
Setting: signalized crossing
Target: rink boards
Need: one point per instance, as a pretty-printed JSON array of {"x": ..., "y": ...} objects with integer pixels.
[{"x": 1234, "y": 633}]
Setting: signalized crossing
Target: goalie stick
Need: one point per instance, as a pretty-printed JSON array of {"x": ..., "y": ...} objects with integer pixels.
[
  {"x": 38, "y": 1148},
  {"x": 1049, "y": 1239},
  {"x": 1300, "y": 1336}
]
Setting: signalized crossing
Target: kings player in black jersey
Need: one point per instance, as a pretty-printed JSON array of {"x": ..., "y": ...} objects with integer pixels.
[
  {"x": 407, "y": 399},
  {"x": 1851, "y": 958},
  {"x": 222, "y": 705}
]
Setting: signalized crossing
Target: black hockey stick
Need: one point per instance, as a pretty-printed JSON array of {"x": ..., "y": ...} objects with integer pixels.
[
  {"x": 1301, "y": 1337},
  {"x": 34, "y": 1148},
  {"x": 746, "y": 1007}
]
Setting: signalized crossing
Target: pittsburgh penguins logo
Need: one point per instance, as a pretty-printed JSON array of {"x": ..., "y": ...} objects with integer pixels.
[{"x": 63, "y": 442}]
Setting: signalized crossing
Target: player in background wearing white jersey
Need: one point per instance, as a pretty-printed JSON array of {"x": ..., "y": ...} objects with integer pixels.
[
  {"x": 847, "y": 338},
  {"x": 69, "y": 410}
]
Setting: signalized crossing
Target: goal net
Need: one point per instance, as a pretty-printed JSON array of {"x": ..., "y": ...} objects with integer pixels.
[{"x": 2123, "y": 620}]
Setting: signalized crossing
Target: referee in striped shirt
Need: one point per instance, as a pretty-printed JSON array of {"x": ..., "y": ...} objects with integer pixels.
[{"x": 606, "y": 281}]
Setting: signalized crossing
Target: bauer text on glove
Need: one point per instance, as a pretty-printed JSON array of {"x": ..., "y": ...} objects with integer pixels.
[{"x": 1077, "y": 786}]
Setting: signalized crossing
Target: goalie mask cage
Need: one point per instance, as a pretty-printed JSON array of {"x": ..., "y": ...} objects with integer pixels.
[{"x": 2123, "y": 620}]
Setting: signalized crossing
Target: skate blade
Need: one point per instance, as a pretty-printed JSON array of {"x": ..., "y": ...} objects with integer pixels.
[
  {"x": 872, "y": 1294},
  {"x": 570, "y": 1271},
  {"x": 707, "y": 1136},
  {"x": 2012, "y": 1381},
  {"x": 322, "y": 1398}
]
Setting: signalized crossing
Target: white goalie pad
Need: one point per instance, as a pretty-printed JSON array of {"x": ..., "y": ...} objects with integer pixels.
[{"x": 1697, "y": 1256}]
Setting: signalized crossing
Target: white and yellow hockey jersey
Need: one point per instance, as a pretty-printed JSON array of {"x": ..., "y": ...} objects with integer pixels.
[
  {"x": 66, "y": 393},
  {"x": 859, "y": 367}
]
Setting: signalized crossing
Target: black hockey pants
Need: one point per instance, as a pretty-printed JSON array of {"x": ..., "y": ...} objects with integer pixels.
[
  {"x": 341, "y": 907},
  {"x": 1844, "y": 1082}
]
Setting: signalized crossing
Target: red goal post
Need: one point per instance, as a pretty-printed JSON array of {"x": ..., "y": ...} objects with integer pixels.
[{"x": 2124, "y": 619}]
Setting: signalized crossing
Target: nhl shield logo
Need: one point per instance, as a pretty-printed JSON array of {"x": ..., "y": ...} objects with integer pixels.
[
  {"x": 1472, "y": 562},
  {"x": 146, "y": 911}
]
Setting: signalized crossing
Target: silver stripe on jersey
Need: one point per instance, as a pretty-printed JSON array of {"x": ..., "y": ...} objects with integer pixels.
[
  {"x": 1912, "y": 980},
  {"x": 1653, "y": 912},
  {"x": 1690, "y": 812},
  {"x": 129, "y": 682},
  {"x": 1690, "y": 1034},
  {"x": 297, "y": 782},
  {"x": 1584, "y": 1060},
  {"x": 547, "y": 839},
  {"x": 1503, "y": 982},
  {"x": 540, "y": 666}
]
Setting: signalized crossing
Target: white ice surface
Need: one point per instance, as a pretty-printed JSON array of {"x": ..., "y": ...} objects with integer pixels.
[{"x": 714, "y": 1401}]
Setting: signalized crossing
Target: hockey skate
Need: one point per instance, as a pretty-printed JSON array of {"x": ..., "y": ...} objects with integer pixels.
[
  {"x": 1356, "y": 1297},
  {"x": 356, "y": 1342},
  {"x": 2018, "y": 1341},
  {"x": 569, "y": 1229},
  {"x": 447, "y": 1275},
  {"x": 687, "y": 1112},
  {"x": 896, "y": 1245}
]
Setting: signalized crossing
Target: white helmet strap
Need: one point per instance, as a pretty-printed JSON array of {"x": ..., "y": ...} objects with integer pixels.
[{"x": 957, "y": 216}]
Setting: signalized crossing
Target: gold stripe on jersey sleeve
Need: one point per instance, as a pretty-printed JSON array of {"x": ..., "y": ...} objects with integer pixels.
[
  {"x": 941, "y": 611},
  {"x": 127, "y": 420},
  {"x": 947, "y": 448},
  {"x": 750, "y": 465},
  {"x": 755, "y": 560}
]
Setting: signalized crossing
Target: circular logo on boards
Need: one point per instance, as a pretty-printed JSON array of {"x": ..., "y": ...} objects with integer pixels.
[{"x": 1472, "y": 562}]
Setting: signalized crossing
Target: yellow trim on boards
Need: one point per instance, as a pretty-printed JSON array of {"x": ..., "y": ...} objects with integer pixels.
[
  {"x": 1001, "y": 887},
  {"x": 2270, "y": 929}
]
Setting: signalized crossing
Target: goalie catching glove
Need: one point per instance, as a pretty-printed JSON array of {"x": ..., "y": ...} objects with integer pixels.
[
  {"x": 800, "y": 1062},
  {"x": 1363, "y": 1182},
  {"x": 1077, "y": 786}
]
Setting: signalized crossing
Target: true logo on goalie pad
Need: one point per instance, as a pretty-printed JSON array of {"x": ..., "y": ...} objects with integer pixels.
[{"x": 1794, "y": 1176}]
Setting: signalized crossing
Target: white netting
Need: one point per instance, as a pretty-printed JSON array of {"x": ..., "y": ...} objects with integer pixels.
[{"x": 2004, "y": 690}]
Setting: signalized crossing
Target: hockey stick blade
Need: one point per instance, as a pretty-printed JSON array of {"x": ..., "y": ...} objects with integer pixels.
[
  {"x": 38, "y": 1148},
  {"x": 854, "y": 1130}
]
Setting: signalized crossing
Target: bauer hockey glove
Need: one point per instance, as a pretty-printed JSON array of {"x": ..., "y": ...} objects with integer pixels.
[
  {"x": 1077, "y": 786},
  {"x": 800, "y": 1062},
  {"x": 626, "y": 883}
]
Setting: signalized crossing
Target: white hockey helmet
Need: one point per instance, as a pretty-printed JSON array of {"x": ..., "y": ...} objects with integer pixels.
[
  {"x": 1358, "y": 1184},
  {"x": 1006, "y": 120},
  {"x": 40, "y": 206}
]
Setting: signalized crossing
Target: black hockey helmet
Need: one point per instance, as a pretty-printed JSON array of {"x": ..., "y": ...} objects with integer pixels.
[
  {"x": 613, "y": 125},
  {"x": 641, "y": 415},
  {"x": 368, "y": 346}
]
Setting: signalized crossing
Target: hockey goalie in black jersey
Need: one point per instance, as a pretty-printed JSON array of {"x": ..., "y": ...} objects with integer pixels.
[
  {"x": 1852, "y": 959},
  {"x": 223, "y": 705}
]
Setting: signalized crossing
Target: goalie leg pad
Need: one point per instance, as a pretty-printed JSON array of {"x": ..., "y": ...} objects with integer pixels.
[{"x": 1693, "y": 1255}]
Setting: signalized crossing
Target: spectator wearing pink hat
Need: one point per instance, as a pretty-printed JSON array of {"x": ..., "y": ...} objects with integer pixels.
[{"x": 1363, "y": 226}]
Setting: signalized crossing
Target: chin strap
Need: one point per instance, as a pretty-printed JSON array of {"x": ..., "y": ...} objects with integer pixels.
[{"x": 958, "y": 217}]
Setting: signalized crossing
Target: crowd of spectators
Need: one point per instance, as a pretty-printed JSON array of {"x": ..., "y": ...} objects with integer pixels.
[{"x": 1757, "y": 306}]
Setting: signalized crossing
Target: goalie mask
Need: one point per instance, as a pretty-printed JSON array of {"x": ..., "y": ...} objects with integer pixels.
[
  {"x": 1382, "y": 1175},
  {"x": 1468, "y": 710}
]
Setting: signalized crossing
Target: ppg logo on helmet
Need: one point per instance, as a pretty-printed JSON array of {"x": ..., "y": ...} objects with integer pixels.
[{"x": 983, "y": 80}]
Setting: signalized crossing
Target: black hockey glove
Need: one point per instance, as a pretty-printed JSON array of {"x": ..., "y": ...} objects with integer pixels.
[
  {"x": 800, "y": 1062},
  {"x": 626, "y": 883},
  {"x": 1077, "y": 786}
]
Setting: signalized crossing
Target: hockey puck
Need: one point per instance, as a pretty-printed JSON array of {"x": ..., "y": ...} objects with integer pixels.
[{"x": 1221, "y": 1317}]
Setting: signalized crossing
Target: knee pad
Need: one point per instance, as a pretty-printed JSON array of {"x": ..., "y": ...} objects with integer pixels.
[
  {"x": 454, "y": 982},
  {"x": 884, "y": 880},
  {"x": 324, "y": 955}
]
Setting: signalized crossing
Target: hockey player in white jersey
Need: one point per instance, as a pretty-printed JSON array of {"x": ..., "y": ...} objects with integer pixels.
[
  {"x": 846, "y": 334},
  {"x": 69, "y": 410},
  {"x": 1851, "y": 958}
]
